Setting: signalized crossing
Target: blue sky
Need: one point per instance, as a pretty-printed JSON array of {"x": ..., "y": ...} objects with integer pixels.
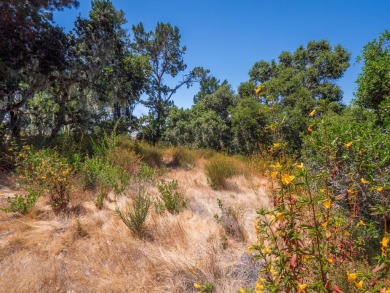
[{"x": 228, "y": 37}]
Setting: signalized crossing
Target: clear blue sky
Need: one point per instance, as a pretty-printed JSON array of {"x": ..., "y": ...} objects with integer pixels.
[{"x": 228, "y": 37}]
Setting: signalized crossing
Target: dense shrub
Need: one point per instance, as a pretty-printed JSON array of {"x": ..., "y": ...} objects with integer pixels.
[{"x": 220, "y": 167}]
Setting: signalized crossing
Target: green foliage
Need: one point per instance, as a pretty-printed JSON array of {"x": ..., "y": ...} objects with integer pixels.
[
  {"x": 248, "y": 126},
  {"x": 170, "y": 200},
  {"x": 165, "y": 53},
  {"x": 23, "y": 203},
  {"x": 45, "y": 171},
  {"x": 99, "y": 174},
  {"x": 373, "y": 90},
  {"x": 135, "y": 218},
  {"x": 221, "y": 167}
]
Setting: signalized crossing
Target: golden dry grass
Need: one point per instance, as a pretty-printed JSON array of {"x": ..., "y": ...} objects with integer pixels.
[{"x": 87, "y": 250}]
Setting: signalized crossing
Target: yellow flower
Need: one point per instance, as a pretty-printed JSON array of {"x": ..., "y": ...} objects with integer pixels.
[
  {"x": 312, "y": 113},
  {"x": 385, "y": 241},
  {"x": 379, "y": 189},
  {"x": 351, "y": 277},
  {"x": 280, "y": 217},
  {"x": 347, "y": 145},
  {"x": 242, "y": 290},
  {"x": 329, "y": 260},
  {"x": 364, "y": 181},
  {"x": 324, "y": 225},
  {"x": 197, "y": 286},
  {"x": 277, "y": 145},
  {"x": 259, "y": 286},
  {"x": 287, "y": 178},
  {"x": 266, "y": 250},
  {"x": 360, "y": 223},
  {"x": 302, "y": 287},
  {"x": 300, "y": 166},
  {"x": 274, "y": 174},
  {"x": 359, "y": 285},
  {"x": 327, "y": 203},
  {"x": 322, "y": 190},
  {"x": 309, "y": 129},
  {"x": 250, "y": 248},
  {"x": 259, "y": 89}
]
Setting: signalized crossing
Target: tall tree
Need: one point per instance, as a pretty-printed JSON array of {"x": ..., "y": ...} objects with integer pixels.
[
  {"x": 299, "y": 80},
  {"x": 165, "y": 53},
  {"x": 373, "y": 90},
  {"x": 34, "y": 49}
]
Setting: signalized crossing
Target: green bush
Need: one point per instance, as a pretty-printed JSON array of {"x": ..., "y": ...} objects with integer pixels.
[
  {"x": 96, "y": 173},
  {"x": 170, "y": 200},
  {"x": 23, "y": 203},
  {"x": 219, "y": 168},
  {"x": 136, "y": 217}
]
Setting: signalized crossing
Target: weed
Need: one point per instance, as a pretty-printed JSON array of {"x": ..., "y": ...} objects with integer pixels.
[
  {"x": 23, "y": 203},
  {"x": 171, "y": 200},
  {"x": 136, "y": 217}
]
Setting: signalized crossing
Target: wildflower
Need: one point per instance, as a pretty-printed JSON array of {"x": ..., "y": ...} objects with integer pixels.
[
  {"x": 250, "y": 248},
  {"x": 385, "y": 241},
  {"x": 360, "y": 153},
  {"x": 302, "y": 287},
  {"x": 280, "y": 217},
  {"x": 259, "y": 286},
  {"x": 259, "y": 89},
  {"x": 287, "y": 178},
  {"x": 274, "y": 174},
  {"x": 360, "y": 223},
  {"x": 197, "y": 286},
  {"x": 324, "y": 225},
  {"x": 359, "y": 285},
  {"x": 351, "y": 277},
  {"x": 364, "y": 181},
  {"x": 322, "y": 190},
  {"x": 266, "y": 250},
  {"x": 242, "y": 290},
  {"x": 309, "y": 129},
  {"x": 329, "y": 260},
  {"x": 327, "y": 203},
  {"x": 380, "y": 189},
  {"x": 300, "y": 166},
  {"x": 312, "y": 113},
  {"x": 347, "y": 145},
  {"x": 276, "y": 145}
]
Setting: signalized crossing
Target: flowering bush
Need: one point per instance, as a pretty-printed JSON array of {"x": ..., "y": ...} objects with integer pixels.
[{"x": 45, "y": 172}]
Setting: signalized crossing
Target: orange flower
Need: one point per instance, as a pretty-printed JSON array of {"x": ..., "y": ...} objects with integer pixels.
[
  {"x": 302, "y": 287},
  {"x": 351, "y": 277},
  {"x": 359, "y": 285},
  {"x": 309, "y": 129},
  {"x": 327, "y": 203},
  {"x": 347, "y": 145},
  {"x": 287, "y": 178},
  {"x": 379, "y": 189},
  {"x": 312, "y": 113},
  {"x": 364, "y": 181},
  {"x": 385, "y": 241}
]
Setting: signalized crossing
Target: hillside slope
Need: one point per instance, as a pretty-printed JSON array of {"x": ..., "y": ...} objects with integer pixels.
[{"x": 91, "y": 250}]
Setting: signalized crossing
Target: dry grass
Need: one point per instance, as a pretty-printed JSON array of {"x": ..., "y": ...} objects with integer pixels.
[{"x": 90, "y": 250}]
